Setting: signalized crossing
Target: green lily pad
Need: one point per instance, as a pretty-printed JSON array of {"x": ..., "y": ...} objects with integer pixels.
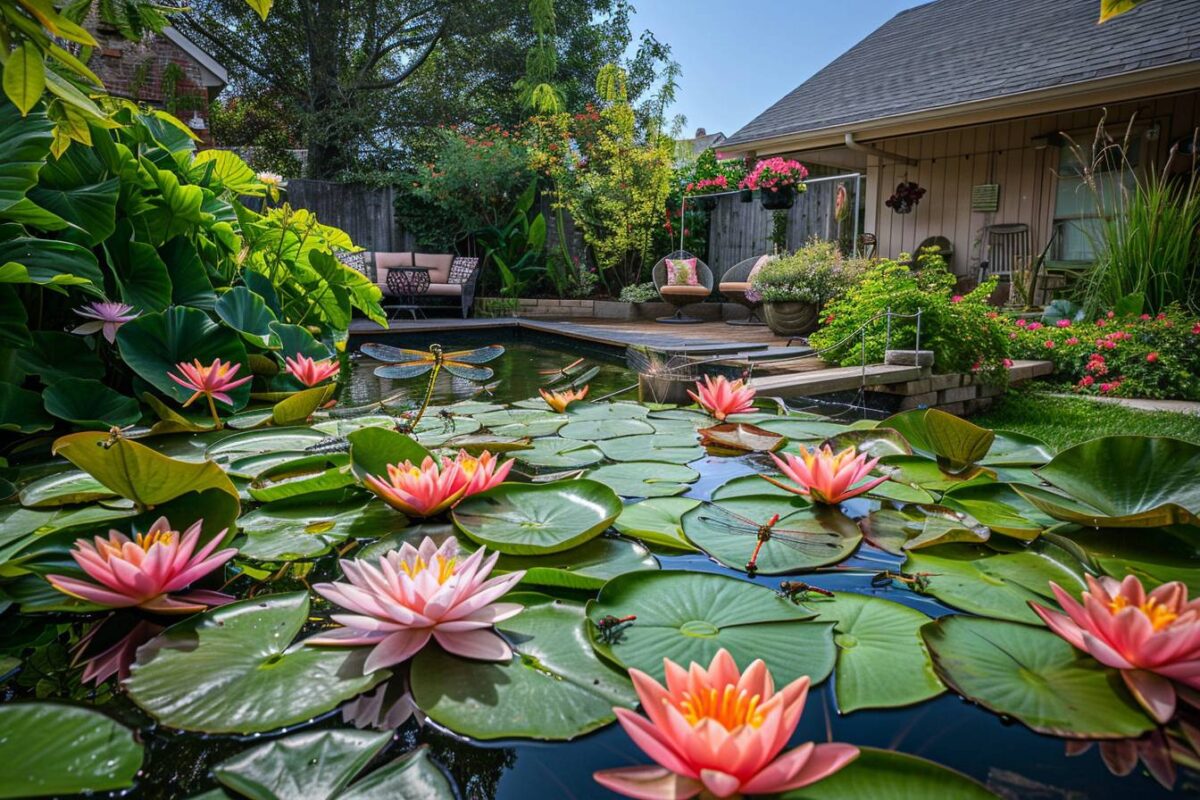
[
  {"x": 1012, "y": 449},
  {"x": 90, "y": 404},
  {"x": 264, "y": 441},
  {"x": 1154, "y": 556},
  {"x": 657, "y": 521},
  {"x": 310, "y": 484},
  {"x": 231, "y": 670},
  {"x": 999, "y": 586},
  {"x": 888, "y": 775},
  {"x": 749, "y": 485},
  {"x": 1034, "y": 676},
  {"x": 554, "y": 688},
  {"x": 522, "y": 423},
  {"x": 953, "y": 441},
  {"x": 372, "y": 449},
  {"x": 607, "y": 412},
  {"x": 925, "y": 473},
  {"x": 689, "y": 616},
  {"x": 434, "y": 431},
  {"x": 882, "y": 660},
  {"x": 645, "y": 478},
  {"x": 1123, "y": 482},
  {"x": 917, "y": 527},
  {"x": 305, "y": 531},
  {"x": 798, "y": 430},
  {"x": 666, "y": 448},
  {"x": 586, "y": 567},
  {"x": 537, "y": 519},
  {"x": 22, "y": 411},
  {"x": 555, "y": 453},
  {"x": 803, "y": 538},
  {"x": 875, "y": 443},
  {"x": 297, "y": 408},
  {"x": 595, "y": 429},
  {"x": 1001, "y": 508},
  {"x": 52, "y": 749},
  {"x": 64, "y": 489}
]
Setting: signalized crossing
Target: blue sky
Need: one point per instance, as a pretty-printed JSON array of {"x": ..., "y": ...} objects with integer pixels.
[{"x": 740, "y": 56}]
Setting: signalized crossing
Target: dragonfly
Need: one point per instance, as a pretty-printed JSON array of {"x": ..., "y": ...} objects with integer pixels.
[
  {"x": 612, "y": 628},
  {"x": 401, "y": 363},
  {"x": 812, "y": 543},
  {"x": 799, "y": 591},
  {"x": 918, "y": 581}
]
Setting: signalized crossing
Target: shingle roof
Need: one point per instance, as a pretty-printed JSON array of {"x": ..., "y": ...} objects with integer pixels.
[{"x": 949, "y": 52}]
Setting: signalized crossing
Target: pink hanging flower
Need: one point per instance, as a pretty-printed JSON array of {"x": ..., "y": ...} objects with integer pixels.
[
  {"x": 1154, "y": 639},
  {"x": 105, "y": 317},
  {"x": 415, "y": 594},
  {"x": 719, "y": 732},
  {"x": 311, "y": 372},
  {"x": 721, "y": 397},
  {"x": 148, "y": 570},
  {"x": 824, "y": 477}
]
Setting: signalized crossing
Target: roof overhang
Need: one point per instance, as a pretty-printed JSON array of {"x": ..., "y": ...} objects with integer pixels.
[
  {"x": 1117, "y": 88},
  {"x": 215, "y": 73}
]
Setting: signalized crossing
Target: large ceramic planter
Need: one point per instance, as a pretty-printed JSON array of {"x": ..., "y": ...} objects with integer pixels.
[
  {"x": 791, "y": 319},
  {"x": 783, "y": 197}
]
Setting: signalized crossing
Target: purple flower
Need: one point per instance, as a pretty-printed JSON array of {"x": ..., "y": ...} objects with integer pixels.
[{"x": 106, "y": 317}]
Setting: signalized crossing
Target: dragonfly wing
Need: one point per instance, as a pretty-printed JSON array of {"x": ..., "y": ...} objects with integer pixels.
[
  {"x": 817, "y": 543},
  {"x": 402, "y": 371},
  {"x": 480, "y": 355},
  {"x": 467, "y": 371},
  {"x": 395, "y": 355}
]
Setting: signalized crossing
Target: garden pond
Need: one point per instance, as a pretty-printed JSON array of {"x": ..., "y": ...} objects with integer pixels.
[{"x": 907, "y": 606}]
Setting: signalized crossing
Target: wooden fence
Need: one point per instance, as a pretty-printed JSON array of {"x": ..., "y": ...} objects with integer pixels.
[{"x": 364, "y": 212}]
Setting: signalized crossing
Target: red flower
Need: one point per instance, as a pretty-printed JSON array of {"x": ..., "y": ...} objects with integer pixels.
[
  {"x": 1086, "y": 380},
  {"x": 1152, "y": 357},
  {"x": 1072, "y": 341},
  {"x": 1049, "y": 344}
]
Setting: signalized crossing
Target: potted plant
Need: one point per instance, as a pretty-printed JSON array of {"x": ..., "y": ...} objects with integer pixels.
[
  {"x": 793, "y": 288},
  {"x": 746, "y": 189},
  {"x": 703, "y": 187},
  {"x": 905, "y": 198},
  {"x": 778, "y": 181}
]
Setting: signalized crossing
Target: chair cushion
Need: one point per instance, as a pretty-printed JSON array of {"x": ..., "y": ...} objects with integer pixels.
[
  {"x": 685, "y": 289},
  {"x": 438, "y": 264},
  {"x": 682, "y": 272},
  {"x": 445, "y": 289},
  {"x": 735, "y": 286}
]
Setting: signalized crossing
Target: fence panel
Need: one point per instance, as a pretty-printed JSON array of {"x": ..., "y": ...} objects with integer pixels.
[{"x": 364, "y": 212}]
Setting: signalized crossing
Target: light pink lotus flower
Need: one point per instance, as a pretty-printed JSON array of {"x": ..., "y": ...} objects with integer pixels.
[
  {"x": 720, "y": 397},
  {"x": 311, "y": 372},
  {"x": 148, "y": 570},
  {"x": 1154, "y": 639},
  {"x": 105, "y": 317},
  {"x": 827, "y": 478},
  {"x": 431, "y": 488},
  {"x": 719, "y": 731},
  {"x": 419, "y": 593}
]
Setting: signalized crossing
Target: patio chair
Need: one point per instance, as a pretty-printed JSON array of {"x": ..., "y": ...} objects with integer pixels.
[
  {"x": 680, "y": 296},
  {"x": 449, "y": 276},
  {"x": 867, "y": 245},
  {"x": 736, "y": 281},
  {"x": 1007, "y": 251}
]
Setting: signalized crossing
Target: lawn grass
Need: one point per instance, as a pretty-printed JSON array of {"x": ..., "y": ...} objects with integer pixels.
[{"x": 1065, "y": 421}]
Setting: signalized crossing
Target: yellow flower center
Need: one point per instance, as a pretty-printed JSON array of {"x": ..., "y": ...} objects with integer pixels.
[
  {"x": 730, "y": 708},
  {"x": 1159, "y": 615},
  {"x": 145, "y": 541},
  {"x": 445, "y": 568}
]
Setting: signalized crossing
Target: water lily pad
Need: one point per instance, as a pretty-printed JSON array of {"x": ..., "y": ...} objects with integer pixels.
[
  {"x": 586, "y": 567},
  {"x": 554, "y": 688},
  {"x": 555, "y": 453},
  {"x": 435, "y": 430},
  {"x": 298, "y": 407},
  {"x": 1123, "y": 482},
  {"x": 372, "y": 449},
  {"x": 999, "y": 586},
  {"x": 1034, "y": 676},
  {"x": 917, "y": 527},
  {"x": 264, "y": 441},
  {"x": 537, "y": 519},
  {"x": 925, "y": 473},
  {"x": 657, "y": 521},
  {"x": 651, "y": 447},
  {"x": 596, "y": 429},
  {"x": 52, "y": 749},
  {"x": 1001, "y": 508},
  {"x": 307, "y": 484},
  {"x": 749, "y": 485},
  {"x": 234, "y": 670},
  {"x": 803, "y": 538},
  {"x": 607, "y": 412},
  {"x": 522, "y": 423},
  {"x": 1012, "y": 449},
  {"x": 882, "y": 660},
  {"x": 66, "y": 488},
  {"x": 645, "y": 478},
  {"x": 688, "y": 616},
  {"x": 290, "y": 532},
  {"x": 800, "y": 430},
  {"x": 90, "y": 404},
  {"x": 888, "y": 775},
  {"x": 875, "y": 443},
  {"x": 953, "y": 441},
  {"x": 1154, "y": 556}
]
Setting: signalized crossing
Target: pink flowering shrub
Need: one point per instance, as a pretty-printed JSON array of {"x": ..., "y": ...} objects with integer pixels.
[{"x": 1132, "y": 356}]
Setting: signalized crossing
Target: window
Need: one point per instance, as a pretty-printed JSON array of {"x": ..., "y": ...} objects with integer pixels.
[{"x": 1080, "y": 209}]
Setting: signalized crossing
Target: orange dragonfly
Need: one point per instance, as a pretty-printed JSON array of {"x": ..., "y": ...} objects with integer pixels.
[{"x": 401, "y": 363}]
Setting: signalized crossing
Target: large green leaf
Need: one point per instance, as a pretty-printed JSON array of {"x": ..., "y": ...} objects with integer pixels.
[
  {"x": 56, "y": 355},
  {"x": 299, "y": 407},
  {"x": 288, "y": 532},
  {"x": 914, "y": 527},
  {"x": 24, "y": 148},
  {"x": 234, "y": 670},
  {"x": 64, "y": 488},
  {"x": 49, "y": 262},
  {"x": 587, "y": 567},
  {"x": 668, "y": 448},
  {"x": 1123, "y": 482},
  {"x": 555, "y": 687},
  {"x": 657, "y": 521},
  {"x": 1012, "y": 449},
  {"x": 372, "y": 449},
  {"x": 537, "y": 519},
  {"x": 141, "y": 275},
  {"x": 90, "y": 404},
  {"x": 955, "y": 442},
  {"x": 645, "y": 478},
  {"x": 596, "y": 429},
  {"x": 52, "y": 749},
  {"x": 882, "y": 660},
  {"x": 91, "y": 208},
  {"x": 1034, "y": 676},
  {"x": 247, "y": 313},
  {"x": 689, "y": 616},
  {"x": 14, "y": 327},
  {"x": 21, "y": 410},
  {"x": 230, "y": 170},
  {"x": 1154, "y": 557},
  {"x": 553, "y": 452},
  {"x": 888, "y": 775},
  {"x": 190, "y": 284},
  {"x": 271, "y": 440},
  {"x": 1000, "y": 507},
  {"x": 805, "y": 537},
  {"x": 154, "y": 344}
]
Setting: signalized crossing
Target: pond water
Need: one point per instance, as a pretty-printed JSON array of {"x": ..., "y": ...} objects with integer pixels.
[{"x": 1002, "y": 753}]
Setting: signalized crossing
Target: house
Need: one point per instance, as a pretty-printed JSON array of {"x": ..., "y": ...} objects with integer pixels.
[
  {"x": 167, "y": 70},
  {"x": 978, "y": 101},
  {"x": 688, "y": 150}
]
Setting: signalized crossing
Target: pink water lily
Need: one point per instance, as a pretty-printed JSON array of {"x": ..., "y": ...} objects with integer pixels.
[
  {"x": 415, "y": 594},
  {"x": 1153, "y": 639},
  {"x": 719, "y": 731},
  {"x": 310, "y": 372},
  {"x": 212, "y": 382},
  {"x": 147, "y": 571},
  {"x": 824, "y": 477},
  {"x": 721, "y": 397},
  {"x": 104, "y": 317},
  {"x": 431, "y": 488},
  {"x": 115, "y": 659}
]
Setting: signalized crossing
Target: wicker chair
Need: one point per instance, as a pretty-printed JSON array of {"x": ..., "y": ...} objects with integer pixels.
[
  {"x": 734, "y": 284},
  {"x": 680, "y": 296}
]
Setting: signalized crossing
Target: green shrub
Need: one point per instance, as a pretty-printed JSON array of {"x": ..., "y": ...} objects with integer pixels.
[
  {"x": 961, "y": 330},
  {"x": 816, "y": 273},
  {"x": 639, "y": 293}
]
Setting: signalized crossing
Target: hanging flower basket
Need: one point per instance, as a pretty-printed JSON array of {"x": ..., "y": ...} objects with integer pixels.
[
  {"x": 746, "y": 195},
  {"x": 778, "y": 180},
  {"x": 905, "y": 198},
  {"x": 779, "y": 198}
]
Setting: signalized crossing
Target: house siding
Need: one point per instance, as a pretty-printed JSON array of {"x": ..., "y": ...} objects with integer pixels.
[{"x": 951, "y": 162}]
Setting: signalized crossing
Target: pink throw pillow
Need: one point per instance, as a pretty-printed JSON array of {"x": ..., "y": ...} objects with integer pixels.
[{"x": 682, "y": 272}]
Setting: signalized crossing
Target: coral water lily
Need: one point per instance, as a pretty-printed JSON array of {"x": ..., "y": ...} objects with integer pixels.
[
  {"x": 148, "y": 570},
  {"x": 719, "y": 731},
  {"x": 560, "y": 400},
  {"x": 825, "y": 477},
  {"x": 104, "y": 317},
  {"x": 309, "y": 371},
  {"x": 721, "y": 397},
  {"x": 212, "y": 382},
  {"x": 431, "y": 488},
  {"x": 417, "y": 593},
  {"x": 1152, "y": 638}
]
